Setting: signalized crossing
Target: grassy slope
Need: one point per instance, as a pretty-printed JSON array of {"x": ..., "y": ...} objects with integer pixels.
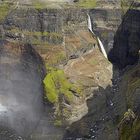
[
  {"x": 87, "y": 3},
  {"x": 4, "y": 9}
]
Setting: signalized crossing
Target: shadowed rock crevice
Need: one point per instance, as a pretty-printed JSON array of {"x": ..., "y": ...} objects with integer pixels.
[{"x": 127, "y": 40}]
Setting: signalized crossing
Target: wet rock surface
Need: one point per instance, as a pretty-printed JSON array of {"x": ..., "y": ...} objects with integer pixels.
[
  {"x": 20, "y": 98},
  {"x": 21, "y": 94}
]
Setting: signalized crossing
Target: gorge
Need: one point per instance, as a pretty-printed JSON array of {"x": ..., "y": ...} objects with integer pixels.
[{"x": 69, "y": 70}]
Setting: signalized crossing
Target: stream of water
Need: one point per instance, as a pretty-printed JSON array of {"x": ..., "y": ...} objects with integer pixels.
[{"x": 98, "y": 39}]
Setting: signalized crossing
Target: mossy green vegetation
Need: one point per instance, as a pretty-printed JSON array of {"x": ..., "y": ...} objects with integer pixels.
[
  {"x": 4, "y": 9},
  {"x": 39, "y": 4},
  {"x": 132, "y": 82},
  {"x": 58, "y": 123},
  {"x": 131, "y": 89},
  {"x": 26, "y": 32},
  {"x": 50, "y": 37},
  {"x": 36, "y": 33},
  {"x": 57, "y": 58},
  {"x": 126, "y": 5},
  {"x": 129, "y": 126},
  {"x": 60, "y": 92},
  {"x": 87, "y": 3},
  {"x": 129, "y": 130},
  {"x": 56, "y": 85}
]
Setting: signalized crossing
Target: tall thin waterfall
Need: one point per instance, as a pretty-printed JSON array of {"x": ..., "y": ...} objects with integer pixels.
[
  {"x": 102, "y": 47},
  {"x": 90, "y": 24},
  {"x": 2, "y": 108},
  {"x": 98, "y": 39}
]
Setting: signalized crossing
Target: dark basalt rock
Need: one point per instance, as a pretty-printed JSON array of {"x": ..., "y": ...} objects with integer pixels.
[{"x": 127, "y": 41}]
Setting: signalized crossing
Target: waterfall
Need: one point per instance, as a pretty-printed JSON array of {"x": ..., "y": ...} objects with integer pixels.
[
  {"x": 90, "y": 24},
  {"x": 98, "y": 39},
  {"x": 102, "y": 47},
  {"x": 2, "y": 108}
]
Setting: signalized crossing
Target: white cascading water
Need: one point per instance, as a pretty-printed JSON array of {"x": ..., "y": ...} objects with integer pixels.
[
  {"x": 98, "y": 39},
  {"x": 90, "y": 24},
  {"x": 2, "y": 108}
]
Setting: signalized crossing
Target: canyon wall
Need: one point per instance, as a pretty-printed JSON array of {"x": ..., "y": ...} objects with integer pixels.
[
  {"x": 59, "y": 27},
  {"x": 109, "y": 96}
]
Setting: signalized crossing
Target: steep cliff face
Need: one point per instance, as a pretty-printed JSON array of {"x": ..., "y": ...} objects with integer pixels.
[
  {"x": 121, "y": 106},
  {"x": 55, "y": 26},
  {"x": 112, "y": 22},
  {"x": 126, "y": 41},
  {"x": 103, "y": 98},
  {"x": 113, "y": 112},
  {"x": 32, "y": 22},
  {"x": 43, "y": 21},
  {"x": 89, "y": 79},
  {"x": 129, "y": 126},
  {"x": 105, "y": 22},
  {"x": 65, "y": 30},
  {"x": 130, "y": 86},
  {"x": 19, "y": 96}
]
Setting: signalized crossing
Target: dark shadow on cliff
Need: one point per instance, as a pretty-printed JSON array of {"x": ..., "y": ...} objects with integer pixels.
[
  {"x": 127, "y": 40},
  {"x": 21, "y": 91},
  {"x": 100, "y": 120}
]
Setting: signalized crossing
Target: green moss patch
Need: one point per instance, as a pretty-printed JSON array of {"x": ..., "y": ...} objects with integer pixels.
[
  {"x": 130, "y": 130},
  {"x": 61, "y": 93},
  {"x": 57, "y": 86},
  {"x": 56, "y": 58},
  {"x": 4, "y": 9},
  {"x": 87, "y": 3},
  {"x": 58, "y": 123},
  {"x": 38, "y": 4}
]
